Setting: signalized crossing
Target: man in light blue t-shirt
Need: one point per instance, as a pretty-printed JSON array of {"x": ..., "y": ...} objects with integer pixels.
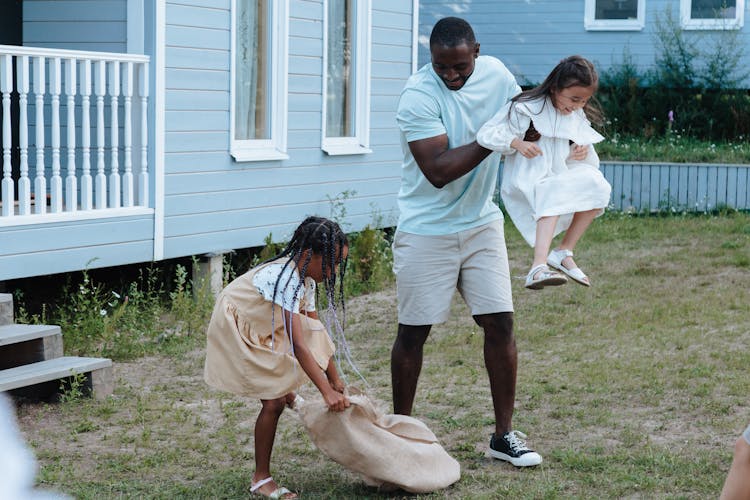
[{"x": 450, "y": 234}]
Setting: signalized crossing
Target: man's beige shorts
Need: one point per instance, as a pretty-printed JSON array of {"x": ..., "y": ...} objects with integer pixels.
[{"x": 430, "y": 268}]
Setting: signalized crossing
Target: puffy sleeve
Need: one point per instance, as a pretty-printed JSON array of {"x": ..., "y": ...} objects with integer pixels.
[
  {"x": 278, "y": 287},
  {"x": 501, "y": 129}
]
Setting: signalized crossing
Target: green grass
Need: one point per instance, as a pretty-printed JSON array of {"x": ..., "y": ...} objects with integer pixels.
[
  {"x": 673, "y": 148},
  {"x": 633, "y": 388}
]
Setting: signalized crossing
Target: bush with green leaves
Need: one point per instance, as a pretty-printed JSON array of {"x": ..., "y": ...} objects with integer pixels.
[{"x": 695, "y": 88}]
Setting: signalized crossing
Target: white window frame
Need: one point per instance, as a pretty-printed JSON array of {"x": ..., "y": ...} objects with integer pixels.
[
  {"x": 592, "y": 24},
  {"x": 360, "y": 142},
  {"x": 688, "y": 23},
  {"x": 274, "y": 148}
]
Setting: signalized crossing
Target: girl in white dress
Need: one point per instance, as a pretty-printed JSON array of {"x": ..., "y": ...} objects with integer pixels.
[{"x": 554, "y": 184}]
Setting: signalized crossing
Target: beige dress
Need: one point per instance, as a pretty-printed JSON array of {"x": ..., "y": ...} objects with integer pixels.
[{"x": 245, "y": 355}]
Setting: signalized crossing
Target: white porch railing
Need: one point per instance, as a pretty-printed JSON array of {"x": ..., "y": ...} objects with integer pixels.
[{"x": 35, "y": 83}]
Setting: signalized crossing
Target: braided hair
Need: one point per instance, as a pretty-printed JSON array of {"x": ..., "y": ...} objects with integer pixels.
[{"x": 319, "y": 236}]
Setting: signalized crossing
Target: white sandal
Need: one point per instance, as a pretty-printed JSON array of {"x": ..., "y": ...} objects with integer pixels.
[
  {"x": 546, "y": 278},
  {"x": 277, "y": 493},
  {"x": 555, "y": 259}
]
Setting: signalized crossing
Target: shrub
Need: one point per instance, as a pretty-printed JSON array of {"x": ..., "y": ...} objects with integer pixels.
[{"x": 694, "y": 88}]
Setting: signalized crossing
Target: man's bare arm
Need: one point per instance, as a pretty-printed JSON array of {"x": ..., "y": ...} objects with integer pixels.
[{"x": 441, "y": 165}]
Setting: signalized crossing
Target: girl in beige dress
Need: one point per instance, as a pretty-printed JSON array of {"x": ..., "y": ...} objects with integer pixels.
[{"x": 265, "y": 340}]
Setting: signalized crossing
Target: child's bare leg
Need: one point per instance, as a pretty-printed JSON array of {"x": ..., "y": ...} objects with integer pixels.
[
  {"x": 545, "y": 231},
  {"x": 581, "y": 222},
  {"x": 265, "y": 433}
]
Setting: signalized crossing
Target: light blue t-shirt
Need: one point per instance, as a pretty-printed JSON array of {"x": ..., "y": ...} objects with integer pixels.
[{"x": 427, "y": 108}]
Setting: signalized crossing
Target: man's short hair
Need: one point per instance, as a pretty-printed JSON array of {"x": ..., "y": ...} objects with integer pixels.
[{"x": 452, "y": 32}]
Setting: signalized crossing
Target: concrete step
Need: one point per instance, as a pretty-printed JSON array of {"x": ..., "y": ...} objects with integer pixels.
[
  {"x": 6, "y": 309},
  {"x": 24, "y": 344},
  {"x": 98, "y": 373}
]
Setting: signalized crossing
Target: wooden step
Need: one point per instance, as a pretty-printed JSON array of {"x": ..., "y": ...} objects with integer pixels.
[
  {"x": 6, "y": 309},
  {"x": 24, "y": 344},
  {"x": 98, "y": 373}
]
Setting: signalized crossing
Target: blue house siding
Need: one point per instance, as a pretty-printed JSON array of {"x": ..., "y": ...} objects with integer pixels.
[
  {"x": 532, "y": 37},
  {"x": 35, "y": 250},
  {"x": 92, "y": 25},
  {"x": 213, "y": 203},
  {"x": 210, "y": 201}
]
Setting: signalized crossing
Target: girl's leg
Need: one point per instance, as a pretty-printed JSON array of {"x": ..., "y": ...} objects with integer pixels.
[
  {"x": 581, "y": 222},
  {"x": 265, "y": 433},
  {"x": 545, "y": 230}
]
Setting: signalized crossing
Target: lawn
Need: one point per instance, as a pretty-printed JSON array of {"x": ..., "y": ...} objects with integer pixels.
[{"x": 636, "y": 387}]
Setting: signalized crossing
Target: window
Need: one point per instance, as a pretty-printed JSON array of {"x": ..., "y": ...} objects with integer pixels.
[
  {"x": 258, "y": 80},
  {"x": 614, "y": 15},
  {"x": 346, "y": 79},
  {"x": 712, "y": 14}
]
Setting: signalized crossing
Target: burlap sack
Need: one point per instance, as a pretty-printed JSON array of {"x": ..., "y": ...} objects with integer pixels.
[{"x": 388, "y": 451}]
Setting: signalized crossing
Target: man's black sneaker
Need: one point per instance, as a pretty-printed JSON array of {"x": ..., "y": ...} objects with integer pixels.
[{"x": 511, "y": 447}]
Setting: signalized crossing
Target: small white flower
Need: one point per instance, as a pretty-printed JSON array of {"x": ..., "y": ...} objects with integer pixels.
[
  {"x": 117, "y": 295},
  {"x": 102, "y": 312}
]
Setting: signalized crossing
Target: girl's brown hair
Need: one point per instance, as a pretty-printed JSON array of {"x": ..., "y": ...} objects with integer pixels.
[{"x": 573, "y": 71}]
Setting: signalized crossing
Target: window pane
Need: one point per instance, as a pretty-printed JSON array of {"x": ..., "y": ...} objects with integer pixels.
[
  {"x": 616, "y": 9},
  {"x": 340, "y": 72},
  {"x": 251, "y": 71},
  {"x": 713, "y": 9}
]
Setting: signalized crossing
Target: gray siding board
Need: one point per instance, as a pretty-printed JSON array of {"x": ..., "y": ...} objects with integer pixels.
[
  {"x": 75, "y": 259},
  {"x": 390, "y": 69},
  {"x": 186, "y": 142},
  {"x": 189, "y": 121},
  {"x": 192, "y": 36},
  {"x": 209, "y": 4},
  {"x": 305, "y": 65},
  {"x": 52, "y": 33},
  {"x": 305, "y": 84},
  {"x": 305, "y": 47},
  {"x": 194, "y": 79},
  {"x": 305, "y": 120},
  {"x": 188, "y": 183},
  {"x": 306, "y": 28},
  {"x": 197, "y": 100},
  {"x": 33, "y": 239},
  {"x": 193, "y": 58},
  {"x": 306, "y": 9},
  {"x": 305, "y": 102},
  {"x": 252, "y": 236},
  {"x": 186, "y": 15},
  {"x": 225, "y": 216},
  {"x": 74, "y": 11},
  {"x": 391, "y": 36}
]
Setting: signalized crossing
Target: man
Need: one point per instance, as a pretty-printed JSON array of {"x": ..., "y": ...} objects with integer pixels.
[{"x": 450, "y": 233}]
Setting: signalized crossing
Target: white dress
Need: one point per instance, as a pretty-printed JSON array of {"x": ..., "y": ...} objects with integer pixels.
[{"x": 548, "y": 184}]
